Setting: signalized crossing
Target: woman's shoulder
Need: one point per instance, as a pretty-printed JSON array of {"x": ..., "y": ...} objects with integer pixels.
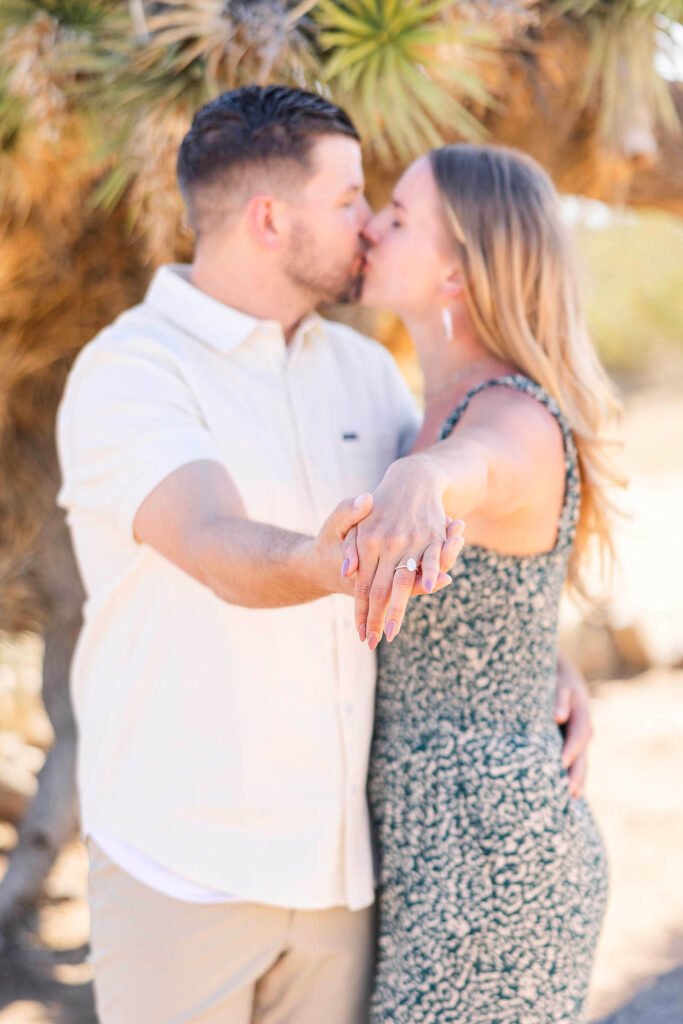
[{"x": 518, "y": 408}]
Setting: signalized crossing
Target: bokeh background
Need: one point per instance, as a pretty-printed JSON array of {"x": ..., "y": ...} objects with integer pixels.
[{"x": 95, "y": 96}]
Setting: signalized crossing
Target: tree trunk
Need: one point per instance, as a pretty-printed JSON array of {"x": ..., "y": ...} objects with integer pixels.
[{"x": 52, "y": 817}]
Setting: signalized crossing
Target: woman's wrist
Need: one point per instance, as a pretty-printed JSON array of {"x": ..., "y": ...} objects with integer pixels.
[{"x": 425, "y": 469}]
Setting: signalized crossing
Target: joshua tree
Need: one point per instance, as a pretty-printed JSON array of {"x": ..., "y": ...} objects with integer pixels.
[{"x": 95, "y": 96}]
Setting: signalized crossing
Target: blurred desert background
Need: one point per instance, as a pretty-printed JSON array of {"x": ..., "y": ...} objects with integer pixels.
[{"x": 95, "y": 96}]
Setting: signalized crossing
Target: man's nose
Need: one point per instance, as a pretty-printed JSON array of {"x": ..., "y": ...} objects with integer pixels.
[
  {"x": 370, "y": 231},
  {"x": 364, "y": 212}
]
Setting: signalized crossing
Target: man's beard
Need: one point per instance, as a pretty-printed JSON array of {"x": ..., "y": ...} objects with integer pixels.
[{"x": 327, "y": 286}]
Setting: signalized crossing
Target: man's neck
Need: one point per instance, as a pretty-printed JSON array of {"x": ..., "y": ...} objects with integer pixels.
[{"x": 253, "y": 292}]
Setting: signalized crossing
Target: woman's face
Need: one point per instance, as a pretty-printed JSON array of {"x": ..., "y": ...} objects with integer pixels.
[{"x": 411, "y": 258}]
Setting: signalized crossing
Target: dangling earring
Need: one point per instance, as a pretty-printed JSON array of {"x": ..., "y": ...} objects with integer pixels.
[{"x": 447, "y": 323}]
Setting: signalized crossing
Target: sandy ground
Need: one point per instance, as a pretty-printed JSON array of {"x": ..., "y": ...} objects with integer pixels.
[
  {"x": 636, "y": 793},
  {"x": 635, "y": 784}
]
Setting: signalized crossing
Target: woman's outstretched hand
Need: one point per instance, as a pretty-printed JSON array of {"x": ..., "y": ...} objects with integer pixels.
[{"x": 407, "y": 521}]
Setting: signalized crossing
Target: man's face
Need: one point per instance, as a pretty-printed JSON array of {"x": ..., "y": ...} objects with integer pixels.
[{"x": 324, "y": 254}]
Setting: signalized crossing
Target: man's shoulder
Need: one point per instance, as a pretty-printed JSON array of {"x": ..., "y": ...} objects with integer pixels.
[{"x": 136, "y": 331}]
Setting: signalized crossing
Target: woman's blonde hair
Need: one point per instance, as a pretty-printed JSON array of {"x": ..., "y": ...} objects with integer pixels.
[{"x": 523, "y": 295}]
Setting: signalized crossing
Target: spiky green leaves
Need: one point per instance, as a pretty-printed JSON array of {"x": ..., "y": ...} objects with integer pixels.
[
  {"x": 622, "y": 72},
  {"x": 405, "y": 70}
]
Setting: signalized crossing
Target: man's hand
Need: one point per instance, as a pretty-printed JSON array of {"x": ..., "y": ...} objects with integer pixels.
[
  {"x": 328, "y": 547},
  {"x": 573, "y": 715},
  {"x": 407, "y": 521}
]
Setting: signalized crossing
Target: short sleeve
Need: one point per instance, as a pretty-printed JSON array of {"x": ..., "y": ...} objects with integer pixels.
[{"x": 128, "y": 419}]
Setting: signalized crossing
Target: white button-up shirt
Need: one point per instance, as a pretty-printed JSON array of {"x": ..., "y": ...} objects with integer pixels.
[{"x": 230, "y": 745}]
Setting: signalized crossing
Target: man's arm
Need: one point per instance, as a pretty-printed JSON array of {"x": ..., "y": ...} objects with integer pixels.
[{"x": 196, "y": 519}]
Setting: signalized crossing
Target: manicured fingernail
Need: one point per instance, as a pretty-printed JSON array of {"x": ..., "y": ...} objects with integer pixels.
[
  {"x": 361, "y": 632},
  {"x": 390, "y": 631},
  {"x": 373, "y": 640},
  {"x": 459, "y": 525},
  {"x": 345, "y": 565},
  {"x": 429, "y": 586},
  {"x": 357, "y": 502}
]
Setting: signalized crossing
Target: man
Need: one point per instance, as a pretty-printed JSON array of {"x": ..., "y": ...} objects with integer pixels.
[{"x": 224, "y": 711}]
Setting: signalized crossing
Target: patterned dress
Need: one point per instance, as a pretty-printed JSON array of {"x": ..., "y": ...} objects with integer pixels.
[{"x": 493, "y": 878}]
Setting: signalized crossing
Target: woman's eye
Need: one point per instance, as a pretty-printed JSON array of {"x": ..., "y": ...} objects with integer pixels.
[{"x": 396, "y": 224}]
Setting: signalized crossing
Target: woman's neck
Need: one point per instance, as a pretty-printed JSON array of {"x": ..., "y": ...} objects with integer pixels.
[{"x": 450, "y": 365}]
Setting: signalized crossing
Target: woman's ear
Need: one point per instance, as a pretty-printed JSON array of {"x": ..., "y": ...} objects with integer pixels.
[{"x": 454, "y": 285}]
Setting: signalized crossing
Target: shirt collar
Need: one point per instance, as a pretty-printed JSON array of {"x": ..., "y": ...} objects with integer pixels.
[{"x": 173, "y": 296}]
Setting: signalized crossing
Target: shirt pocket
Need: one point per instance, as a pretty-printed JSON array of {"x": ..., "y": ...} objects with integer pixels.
[{"x": 364, "y": 458}]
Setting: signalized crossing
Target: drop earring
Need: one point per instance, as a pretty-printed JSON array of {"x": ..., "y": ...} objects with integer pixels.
[{"x": 447, "y": 323}]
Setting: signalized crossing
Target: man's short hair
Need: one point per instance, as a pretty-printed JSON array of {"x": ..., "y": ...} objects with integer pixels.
[{"x": 248, "y": 133}]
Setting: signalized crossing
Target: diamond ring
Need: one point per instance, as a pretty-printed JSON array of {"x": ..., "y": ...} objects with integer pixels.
[{"x": 410, "y": 564}]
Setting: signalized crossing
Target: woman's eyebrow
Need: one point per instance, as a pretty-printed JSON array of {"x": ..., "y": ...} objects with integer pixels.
[{"x": 398, "y": 204}]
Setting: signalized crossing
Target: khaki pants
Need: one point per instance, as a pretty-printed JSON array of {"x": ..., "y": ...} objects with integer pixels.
[{"x": 162, "y": 961}]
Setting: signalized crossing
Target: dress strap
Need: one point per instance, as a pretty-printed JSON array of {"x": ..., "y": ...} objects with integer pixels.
[{"x": 572, "y": 488}]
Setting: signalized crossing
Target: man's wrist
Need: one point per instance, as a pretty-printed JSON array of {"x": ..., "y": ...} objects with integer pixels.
[{"x": 310, "y": 564}]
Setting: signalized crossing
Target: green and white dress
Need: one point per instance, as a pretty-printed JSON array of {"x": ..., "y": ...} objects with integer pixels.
[{"x": 493, "y": 878}]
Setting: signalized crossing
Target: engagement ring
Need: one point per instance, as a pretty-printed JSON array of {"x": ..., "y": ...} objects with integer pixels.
[{"x": 410, "y": 565}]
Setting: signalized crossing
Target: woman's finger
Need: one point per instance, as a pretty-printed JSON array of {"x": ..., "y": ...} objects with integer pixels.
[
  {"x": 449, "y": 552},
  {"x": 364, "y": 582},
  {"x": 391, "y": 589},
  {"x": 442, "y": 580},
  {"x": 431, "y": 564},
  {"x": 453, "y": 544},
  {"x": 401, "y": 590}
]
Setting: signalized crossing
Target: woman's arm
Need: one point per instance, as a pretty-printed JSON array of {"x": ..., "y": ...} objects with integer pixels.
[{"x": 504, "y": 462}]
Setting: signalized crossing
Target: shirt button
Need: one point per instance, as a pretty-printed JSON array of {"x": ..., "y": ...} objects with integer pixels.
[
  {"x": 354, "y": 789},
  {"x": 348, "y": 708}
]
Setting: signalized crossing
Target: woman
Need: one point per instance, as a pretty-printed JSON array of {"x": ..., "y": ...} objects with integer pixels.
[{"x": 493, "y": 877}]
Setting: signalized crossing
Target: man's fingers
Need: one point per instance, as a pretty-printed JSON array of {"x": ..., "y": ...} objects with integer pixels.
[
  {"x": 350, "y": 553},
  {"x": 350, "y": 512},
  {"x": 577, "y": 775},
  {"x": 563, "y": 702},
  {"x": 577, "y": 736}
]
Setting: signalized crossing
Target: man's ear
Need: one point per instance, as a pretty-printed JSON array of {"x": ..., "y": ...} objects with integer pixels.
[{"x": 265, "y": 218}]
